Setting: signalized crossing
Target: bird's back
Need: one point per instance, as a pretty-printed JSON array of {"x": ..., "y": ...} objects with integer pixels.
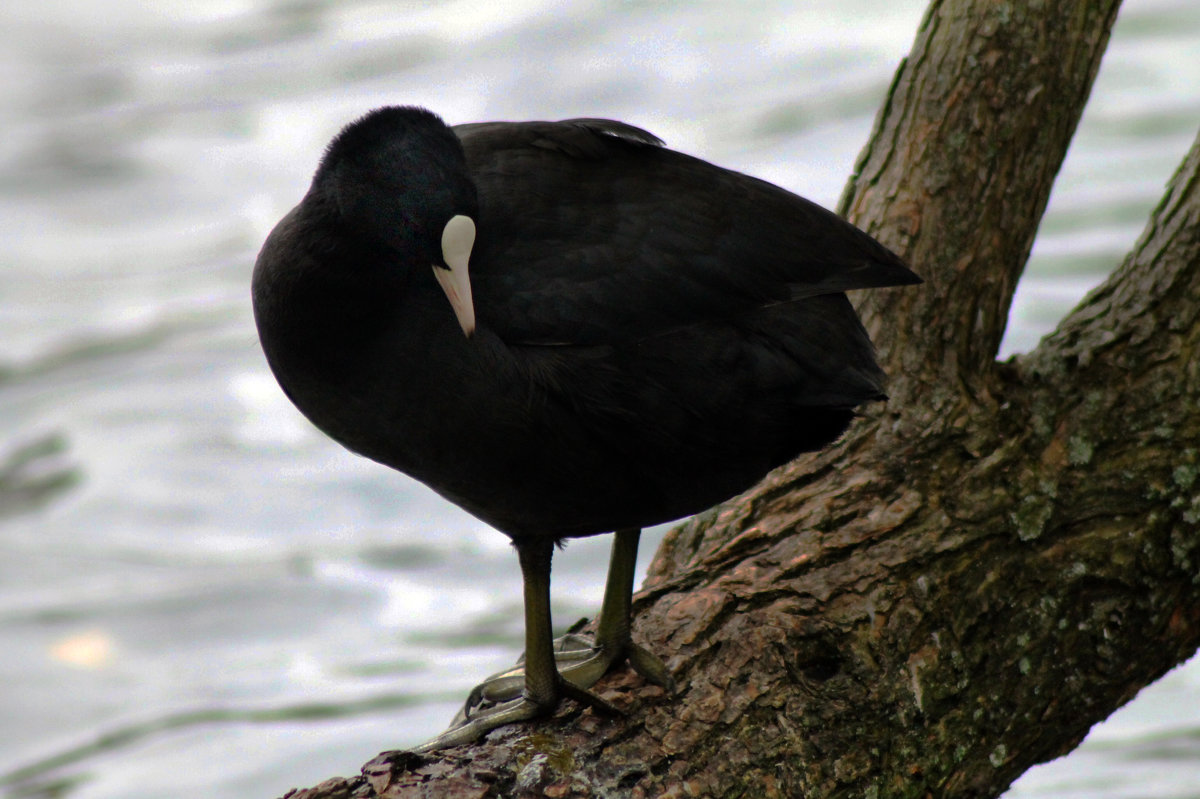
[
  {"x": 689, "y": 318},
  {"x": 591, "y": 231}
]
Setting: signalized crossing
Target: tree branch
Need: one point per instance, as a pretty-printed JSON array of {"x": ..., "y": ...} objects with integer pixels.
[
  {"x": 959, "y": 169},
  {"x": 1155, "y": 285}
]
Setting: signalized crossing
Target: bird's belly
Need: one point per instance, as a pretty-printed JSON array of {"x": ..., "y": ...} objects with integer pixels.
[
  {"x": 613, "y": 449},
  {"x": 587, "y": 477}
]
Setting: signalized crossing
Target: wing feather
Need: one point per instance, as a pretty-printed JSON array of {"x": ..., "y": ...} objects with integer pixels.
[{"x": 576, "y": 246}]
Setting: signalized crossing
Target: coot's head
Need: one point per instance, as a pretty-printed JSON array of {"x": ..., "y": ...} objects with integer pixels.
[
  {"x": 397, "y": 181},
  {"x": 397, "y": 175}
]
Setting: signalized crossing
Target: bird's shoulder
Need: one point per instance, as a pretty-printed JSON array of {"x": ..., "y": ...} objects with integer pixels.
[{"x": 584, "y": 137}]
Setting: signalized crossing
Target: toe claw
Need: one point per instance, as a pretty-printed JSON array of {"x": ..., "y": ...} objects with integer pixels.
[{"x": 647, "y": 664}]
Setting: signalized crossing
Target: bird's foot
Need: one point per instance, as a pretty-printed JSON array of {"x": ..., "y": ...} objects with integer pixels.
[
  {"x": 474, "y": 721},
  {"x": 588, "y": 661},
  {"x": 581, "y": 662},
  {"x": 464, "y": 731},
  {"x": 566, "y": 667}
]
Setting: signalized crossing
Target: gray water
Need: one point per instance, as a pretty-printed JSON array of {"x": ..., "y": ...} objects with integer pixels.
[{"x": 199, "y": 594}]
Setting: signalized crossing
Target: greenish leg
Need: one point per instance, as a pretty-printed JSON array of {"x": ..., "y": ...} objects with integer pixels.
[
  {"x": 582, "y": 661},
  {"x": 541, "y": 686},
  {"x": 613, "y": 642}
]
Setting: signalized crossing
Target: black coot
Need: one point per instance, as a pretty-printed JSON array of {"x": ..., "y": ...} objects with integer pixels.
[{"x": 566, "y": 329}]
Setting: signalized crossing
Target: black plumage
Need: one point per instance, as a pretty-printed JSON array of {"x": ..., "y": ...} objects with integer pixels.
[{"x": 645, "y": 334}]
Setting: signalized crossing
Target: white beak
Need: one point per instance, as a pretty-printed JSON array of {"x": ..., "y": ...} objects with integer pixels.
[{"x": 457, "y": 240}]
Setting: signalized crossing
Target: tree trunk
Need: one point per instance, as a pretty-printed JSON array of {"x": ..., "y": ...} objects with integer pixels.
[{"x": 978, "y": 571}]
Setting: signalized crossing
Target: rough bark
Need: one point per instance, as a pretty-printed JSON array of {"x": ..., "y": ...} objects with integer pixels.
[{"x": 977, "y": 572}]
